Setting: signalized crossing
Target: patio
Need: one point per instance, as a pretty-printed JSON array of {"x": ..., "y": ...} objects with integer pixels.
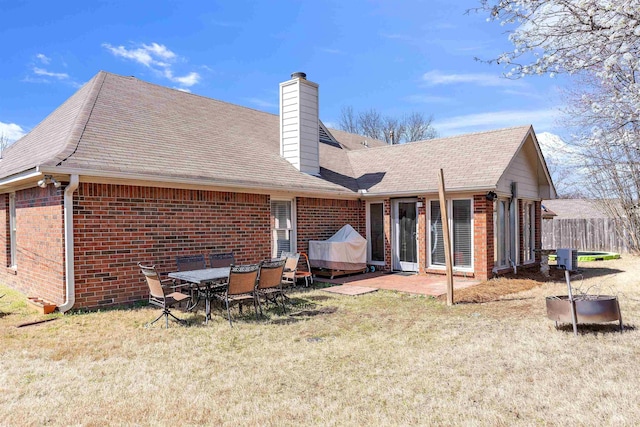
[{"x": 428, "y": 284}]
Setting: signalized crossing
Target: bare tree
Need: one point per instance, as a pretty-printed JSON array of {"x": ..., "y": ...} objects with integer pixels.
[
  {"x": 392, "y": 130},
  {"x": 348, "y": 121},
  {"x": 419, "y": 127},
  {"x": 371, "y": 124},
  {"x": 595, "y": 42}
]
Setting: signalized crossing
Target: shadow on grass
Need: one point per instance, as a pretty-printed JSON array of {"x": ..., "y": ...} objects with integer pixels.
[{"x": 595, "y": 328}]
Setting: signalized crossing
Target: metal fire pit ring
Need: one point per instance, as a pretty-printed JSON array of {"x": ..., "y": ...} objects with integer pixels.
[{"x": 589, "y": 309}]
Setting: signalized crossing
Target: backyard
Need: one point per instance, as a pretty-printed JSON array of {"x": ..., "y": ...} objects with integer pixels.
[{"x": 384, "y": 358}]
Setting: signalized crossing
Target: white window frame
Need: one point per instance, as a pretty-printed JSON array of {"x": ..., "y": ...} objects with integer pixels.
[
  {"x": 293, "y": 235},
  {"x": 528, "y": 208},
  {"x": 13, "y": 228},
  {"x": 368, "y": 219},
  {"x": 450, "y": 219},
  {"x": 504, "y": 239}
]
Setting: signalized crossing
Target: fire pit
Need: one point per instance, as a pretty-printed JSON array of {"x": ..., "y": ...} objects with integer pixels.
[
  {"x": 589, "y": 309},
  {"x": 582, "y": 308}
]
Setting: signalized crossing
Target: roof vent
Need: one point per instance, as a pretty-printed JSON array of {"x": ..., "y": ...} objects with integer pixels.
[{"x": 299, "y": 75}]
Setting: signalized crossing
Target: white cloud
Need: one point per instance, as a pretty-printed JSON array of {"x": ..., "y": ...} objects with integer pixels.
[
  {"x": 435, "y": 78},
  {"x": 43, "y": 58},
  {"x": 554, "y": 147},
  {"x": 540, "y": 119},
  {"x": 188, "y": 80},
  {"x": 428, "y": 99},
  {"x": 11, "y": 131},
  {"x": 332, "y": 51},
  {"x": 42, "y": 72},
  {"x": 261, "y": 103},
  {"x": 156, "y": 57}
]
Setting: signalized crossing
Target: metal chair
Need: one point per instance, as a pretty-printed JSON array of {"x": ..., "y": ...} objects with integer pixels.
[
  {"x": 290, "y": 267},
  {"x": 307, "y": 275},
  {"x": 221, "y": 260},
  {"x": 190, "y": 262},
  {"x": 158, "y": 295},
  {"x": 270, "y": 282},
  {"x": 241, "y": 287}
]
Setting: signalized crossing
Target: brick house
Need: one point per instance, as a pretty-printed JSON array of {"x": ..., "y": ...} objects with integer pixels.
[{"x": 127, "y": 171}]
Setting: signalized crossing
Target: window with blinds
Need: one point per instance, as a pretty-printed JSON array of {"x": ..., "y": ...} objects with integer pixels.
[
  {"x": 461, "y": 230},
  {"x": 282, "y": 233},
  {"x": 501, "y": 232},
  {"x": 376, "y": 231},
  {"x": 462, "y": 233},
  {"x": 437, "y": 239}
]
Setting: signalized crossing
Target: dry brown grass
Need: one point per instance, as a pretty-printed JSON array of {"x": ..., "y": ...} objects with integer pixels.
[{"x": 380, "y": 359}]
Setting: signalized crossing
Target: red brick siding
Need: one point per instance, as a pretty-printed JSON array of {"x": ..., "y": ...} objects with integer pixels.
[
  {"x": 40, "y": 243},
  {"x": 5, "y": 236},
  {"x": 319, "y": 219},
  {"x": 117, "y": 226},
  {"x": 387, "y": 234},
  {"x": 422, "y": 236},
  {"x": 538, "y": 230},
  {"x": 483, "y": 237}
]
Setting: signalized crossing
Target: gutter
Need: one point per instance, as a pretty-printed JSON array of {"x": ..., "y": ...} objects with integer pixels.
[{"x": 70, "y": 288}]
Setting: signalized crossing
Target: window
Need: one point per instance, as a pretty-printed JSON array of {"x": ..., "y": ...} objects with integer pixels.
[
  {"x": 283, "y": 230},
  {"x": 501, "y": 232},
  {"x": 376, "y": 232},
  {"x": 528, "y": 231},
  {"x": 461, "y": 229},
  {"x": 12, "y": 230}
]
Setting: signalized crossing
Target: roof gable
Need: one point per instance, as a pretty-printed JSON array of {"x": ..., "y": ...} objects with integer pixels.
[
  {"x": 56, "y": 136},
  {"x": 470, "y": 162}
]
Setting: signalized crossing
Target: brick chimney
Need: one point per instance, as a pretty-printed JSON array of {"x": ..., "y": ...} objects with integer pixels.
[{"x": 299, "y": 129}]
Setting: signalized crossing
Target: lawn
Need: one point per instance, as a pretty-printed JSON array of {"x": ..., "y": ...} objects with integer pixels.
[{"x": 384, "y": 358}]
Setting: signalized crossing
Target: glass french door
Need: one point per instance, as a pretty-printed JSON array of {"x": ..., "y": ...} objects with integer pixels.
[{"x": 405, "y": 235}]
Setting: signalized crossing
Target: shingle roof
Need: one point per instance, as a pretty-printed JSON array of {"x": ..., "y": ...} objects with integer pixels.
[
  {"x": 575, "y": 208},
  {"x": 475, "y": 160},
  {"x": 122, "y": 125}
]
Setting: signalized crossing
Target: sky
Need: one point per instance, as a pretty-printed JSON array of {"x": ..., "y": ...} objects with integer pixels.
[{"x": 397, "y": 57}]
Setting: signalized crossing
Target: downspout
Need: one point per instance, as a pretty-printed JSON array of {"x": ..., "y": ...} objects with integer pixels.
[{"x": 68, "y": 245}]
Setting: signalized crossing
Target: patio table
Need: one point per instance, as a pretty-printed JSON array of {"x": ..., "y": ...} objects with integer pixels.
[{"x": 204, "y": 281}]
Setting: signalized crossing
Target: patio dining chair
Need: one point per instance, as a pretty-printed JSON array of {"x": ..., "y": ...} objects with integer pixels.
[
  {"x": 307, "y": 275},
  {"x": 241, "y": 287},
  {"x": 221, "y": 260},
  {"x": 158, "y": 295},
  {"x": 189, "y": 263},
  {"x": 290, "y": 267},
  {"x": 270, "y": 283}
]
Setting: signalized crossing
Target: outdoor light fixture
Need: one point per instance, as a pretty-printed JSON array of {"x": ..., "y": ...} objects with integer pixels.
[
  {"x": 491, "y": 196},
  {"x": 48, "y": 179}
]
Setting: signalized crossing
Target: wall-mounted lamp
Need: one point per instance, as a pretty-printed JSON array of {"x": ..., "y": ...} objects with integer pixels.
[
  {"x": 48, "y": 179},
  {"x": 491, "y": 196}
]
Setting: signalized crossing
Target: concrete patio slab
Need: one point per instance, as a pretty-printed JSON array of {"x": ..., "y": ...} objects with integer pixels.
[
  {"x": 349, "y": 290},
  {"x": 427, "y": 284}
]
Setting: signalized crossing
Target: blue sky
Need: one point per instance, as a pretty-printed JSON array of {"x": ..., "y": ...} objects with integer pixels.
[{"x": 396, "y": 57}]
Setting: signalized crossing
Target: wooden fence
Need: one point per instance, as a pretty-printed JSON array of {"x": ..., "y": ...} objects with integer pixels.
[{"x": 595, "y": 234}]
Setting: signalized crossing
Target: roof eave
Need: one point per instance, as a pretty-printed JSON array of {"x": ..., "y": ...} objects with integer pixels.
[{"x": 194, "y": 183}]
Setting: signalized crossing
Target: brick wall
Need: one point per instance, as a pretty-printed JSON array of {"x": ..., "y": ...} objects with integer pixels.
[
  {"x": 538, "y": 230},
  {"x": 40, "y": 243},
  {"x": 319, "y": 219},
  {"x": 5, "y": 236},
  {"x": 117, "y": 226},
  {"x": 483, "y": 237},
  {"x": 387, "y": 234},
  {"x": 422, "y": 236}
]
